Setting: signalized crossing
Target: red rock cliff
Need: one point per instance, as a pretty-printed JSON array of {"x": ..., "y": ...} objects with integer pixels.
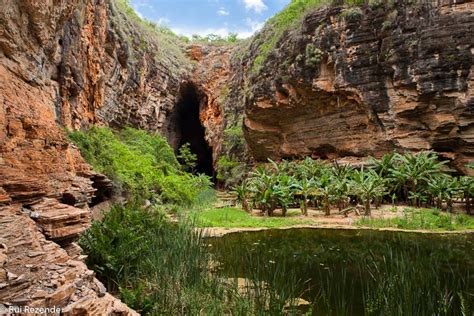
[
  {"x": 66, "y": 65},
  {"x": 365, "y": 81}
]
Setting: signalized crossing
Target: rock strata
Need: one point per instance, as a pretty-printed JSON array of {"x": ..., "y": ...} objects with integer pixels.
[
  {"x": 36, "y": 272},
  {"x": 365, "y": 81}
]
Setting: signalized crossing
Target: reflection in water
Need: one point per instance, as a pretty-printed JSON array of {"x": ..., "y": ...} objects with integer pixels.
[{"x": 350, "y": 272}]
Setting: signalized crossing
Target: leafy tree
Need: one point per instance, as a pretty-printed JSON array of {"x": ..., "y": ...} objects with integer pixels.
[
  {"x": 229, "y": 172},
  {"x": 232, "y": 38},
  {"x": 187, "y": 158}
]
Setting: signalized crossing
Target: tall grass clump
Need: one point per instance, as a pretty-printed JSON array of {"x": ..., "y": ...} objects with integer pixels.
[
  {"x": 163, "y": 268},
  {"x": 154, "y": 266},
  {"x": 139, "y": 163}
]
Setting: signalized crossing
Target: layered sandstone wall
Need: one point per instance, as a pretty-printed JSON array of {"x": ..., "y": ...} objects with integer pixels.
[
  {"x": 67, "y": 65},
  {"x": 365, "y": 81}
]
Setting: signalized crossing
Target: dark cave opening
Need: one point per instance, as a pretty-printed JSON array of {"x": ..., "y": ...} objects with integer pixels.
[{"x": 189, "y": 129}]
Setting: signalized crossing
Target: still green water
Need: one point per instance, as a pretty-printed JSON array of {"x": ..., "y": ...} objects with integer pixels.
[{"x": 355, "y": 272}]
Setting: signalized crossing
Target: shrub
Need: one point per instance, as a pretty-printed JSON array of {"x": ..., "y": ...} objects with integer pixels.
[
  {"x": 229, "y": 172},
  {"x": 187, "y": 158},
  {"x": 313, "y": 55},
  {"x": 138, "y": 162}
]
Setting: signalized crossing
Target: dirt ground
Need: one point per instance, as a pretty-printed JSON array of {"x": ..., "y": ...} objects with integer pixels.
[
  {"x": 318, "y": 217},
  {"x": 333, "y": 221}
]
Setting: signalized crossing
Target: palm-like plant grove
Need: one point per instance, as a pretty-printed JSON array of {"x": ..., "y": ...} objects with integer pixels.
[{"x": 419, "y": 179}]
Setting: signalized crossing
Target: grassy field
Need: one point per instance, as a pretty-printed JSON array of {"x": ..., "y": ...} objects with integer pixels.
[
  {"x": 231, "y": 217},
  {"x": 429, "y": 219}
]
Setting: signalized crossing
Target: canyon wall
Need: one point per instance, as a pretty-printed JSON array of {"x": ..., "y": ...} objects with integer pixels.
[
  {"x": 342, "y": 82},
  {"x": 67, "y": 65},
  {"x": 354, "y": 82}
]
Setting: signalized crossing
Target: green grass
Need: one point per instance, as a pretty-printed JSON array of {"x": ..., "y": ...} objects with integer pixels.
[
  {"x": 231, "y": 217},
  {"x": 429, "y": 219}
]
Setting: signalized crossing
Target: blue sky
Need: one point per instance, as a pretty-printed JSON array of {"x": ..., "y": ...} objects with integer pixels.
[{"x": 187, "y": 17}]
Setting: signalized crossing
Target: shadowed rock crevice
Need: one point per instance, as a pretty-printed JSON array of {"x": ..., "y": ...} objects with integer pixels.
[{"x": 185, "y": 126}]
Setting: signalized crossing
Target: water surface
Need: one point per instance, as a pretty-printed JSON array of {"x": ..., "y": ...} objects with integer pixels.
[{"x": 357, "y": 272}]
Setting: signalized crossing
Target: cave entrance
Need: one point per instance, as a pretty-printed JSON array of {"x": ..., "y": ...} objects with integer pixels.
[{"x": 189, "y": 129}]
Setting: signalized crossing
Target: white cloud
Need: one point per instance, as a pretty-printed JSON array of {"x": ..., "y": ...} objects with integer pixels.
[
  {"x": 254, "y": 25},
  {"x": 222, "y": 12},
  {"x": 256, "y": 5},
  {"x": 163, "y": 21},
  {"x": 223, "y": 31}
]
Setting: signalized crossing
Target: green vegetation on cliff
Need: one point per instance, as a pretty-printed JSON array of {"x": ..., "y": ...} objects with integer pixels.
[
  {"x": 140, "y": 163},
  {"x": 276, "y": 27},
  {"x": 147, "y": 37}
]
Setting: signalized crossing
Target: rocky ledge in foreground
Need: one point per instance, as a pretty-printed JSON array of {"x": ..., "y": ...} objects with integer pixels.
[{"x": 36, "y": 272}]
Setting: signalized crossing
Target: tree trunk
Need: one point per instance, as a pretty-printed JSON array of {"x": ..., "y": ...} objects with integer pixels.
[
  {"x": 245, "y": 205},
  {"x": 413, "y": 189},
  {"x": 449, "y": 204},
  {"x": 304, "y": 207},
  {"x": 367, "y": 207},
  {"x": 283, "y": 211},
  {"x": 327, "y": 207},
  {"x": 468, "y": 204}
]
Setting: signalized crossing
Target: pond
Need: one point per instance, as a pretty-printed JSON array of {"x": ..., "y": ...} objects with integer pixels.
[{"x": 354, "y": 272}]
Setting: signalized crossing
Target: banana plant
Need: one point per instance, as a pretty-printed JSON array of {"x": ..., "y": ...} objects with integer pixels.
[
  {"x": 326, "y": 188},
  {"x": 242, "y": 192},
  {"x": 367, "y": 184},
  {"x": 285, "y": 192},
  {"x": 263, "y": 190},
  {"x": 415, "y": 170},
  {"x": 466, "y": 187},
  {"x": 305, "y": 188},
  {"x": 341, "y": 176}
]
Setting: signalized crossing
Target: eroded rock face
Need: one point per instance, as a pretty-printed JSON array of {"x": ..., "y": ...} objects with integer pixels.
[
  {"x": 358, "y": 82},
  {"x": 36, "y": 272},
  {"x": 67, "y": 65},
  {"x": 212, "y": 76}
]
